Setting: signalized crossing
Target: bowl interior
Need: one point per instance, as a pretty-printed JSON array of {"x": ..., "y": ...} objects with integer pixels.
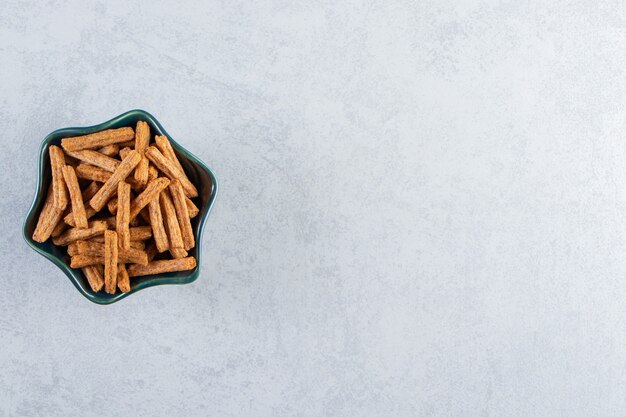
[{"x": 197, "y": 172}]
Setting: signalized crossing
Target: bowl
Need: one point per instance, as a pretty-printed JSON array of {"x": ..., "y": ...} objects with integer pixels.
[{"x": 196, "y": 170}]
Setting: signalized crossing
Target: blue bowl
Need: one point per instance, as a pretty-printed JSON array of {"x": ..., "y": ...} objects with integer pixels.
[{"x": 196, "y": 170}]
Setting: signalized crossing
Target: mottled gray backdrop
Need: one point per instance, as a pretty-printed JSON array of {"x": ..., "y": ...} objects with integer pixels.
[{"x": 422, "y": 208}]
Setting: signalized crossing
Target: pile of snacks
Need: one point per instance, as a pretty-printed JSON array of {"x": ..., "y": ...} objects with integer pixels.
[{"x": 120, "y": 205}]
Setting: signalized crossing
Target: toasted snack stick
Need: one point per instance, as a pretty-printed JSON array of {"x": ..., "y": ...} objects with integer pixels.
[
  {"x": 158, "y": 230},
  {"x": 92, "y": 173},
  {"x": 98, "y": 139},
  {"x": 134, "y": 244},
  {"x": 72, "y": 248},
  {"x": 102, "y": 196},
  {"x": 151, "y": 251},
  {"x": 142, "y": 139},
  {"x": 57, "y": 162},
  {"x": 95, "y": 228},
  {"x": 78, "y": 209},
  {"x": 176, "y": 245},
  {"x": 191, "y": 208},
  {"x": 182, "y": 213},
  {"x": 110, "y": 150},
  {"x": 88, "y": 192},
  {"x": 91, "y": 248},
  {"x": 152, "y": 172},
  {"x": 164, "y": 145},
  {"x": 48, "y": 219},
  {"x": 123, "y": 214},
  {"x": 124, "y": 152},
  {"x": 112, "y": 204},
  {"x": 123, "y": 283},
  {"x": 160, "y": 267},
  {"x": 81, "y": 261},
  {"x": 140, "y": 233},
  {"x": 110, "y": 261},
  {"x": 171, "y": 170},
  {"x": 94, "y": 277},
  {"x": 151, "y": 192},
  {"x": 95, "y": 158},
  {"x": 128, "y": 144}
]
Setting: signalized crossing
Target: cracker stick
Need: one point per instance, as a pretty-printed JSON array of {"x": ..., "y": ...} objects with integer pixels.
[
  {"x": 182, "y": 213},
  {"x": 95, "y": 158},
  {"x": 151, "y": 251},
  {"x": 59, "y": 228},
  {"x": 78, "y": 209},
  {"x": 112, "y": 204},
  {"x": 123, "y": 283},
  {"x": 160, "y": 267},
  {"x": 152, "y": 191},
  {"x": 95, "y": 228},
  {"x": 158, "y": 230},
  {"x": 81, "y": 261},
  {"x": 110, "y": 261},
  {"x": 171, "y": 170},
  {"x": 88, "y": 192},
  {"x": 110, "y": 150},
  {"x": 102, "y": 196},
  {"x": 164, "y": 145},
  {"x": 98, "y": 139},
  {"x": 191, "y": 207},
  {"x": 140, "y": 233},
  {"x": 94, "y": 277},
  {"x": 111, "y": 221},
  {"x": 72, "y": 248},
  {"x": 57, "y": 162},
  {"x": 142, "y": 139},
  {"x": 48, "y": 219},
  {"x": 91, "y": 248},
  {"x": 128, "y": 144},
  {"x": 124, "y": 152},
  {"x": 176, "y": 245},
  {"x": 134, "y": 244},
  {"x": 92, "y": 173},
  {"x": 152, "y": 172},
  {"x": 123, "y": 214}
]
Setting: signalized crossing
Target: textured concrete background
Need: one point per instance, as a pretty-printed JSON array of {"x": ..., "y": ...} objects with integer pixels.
[{"x": 422, "y": 209}]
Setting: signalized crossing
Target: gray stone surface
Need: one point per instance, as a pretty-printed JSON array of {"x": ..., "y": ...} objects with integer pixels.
[{"x": 422, "y": 209}]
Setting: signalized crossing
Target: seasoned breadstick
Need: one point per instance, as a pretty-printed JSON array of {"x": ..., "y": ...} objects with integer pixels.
[
  {"x": 92, "y": 173},
  {"x": 94, "y": 277},
  {"x": 164, "y": 145},
  {"x": 140, "y": 233},
  {"x": 156, "y": 222},
  {"x": 78, "y": 209},
  {"x": 124, "y": 152},
  {"x": 159, "y": 267},
  {"x": 57, "y": 162},
  {"x": 48, "y": 219},
  {"x": 123, "y": 283},
  {"x": 110, "y": 261},
  {"x": 152, "y": 191},
  {"x": 102, "y": 196},
  {"x": 110, "y": 150},
  {"x": 128, "y": 144},
  {"x": 91, "y": 248},
  {"x": 171, "y": 170},
  {"x": 123, "y": 214},
  {"x": 98, "y": 139},
  {"x": 88, "y": 192},
  {"x": 151, "y": 251},
  {"x": 96, "y": 227},
  {"x": 152, "y": 172},
  {"x": 134, "y": 244},
  {"x": 81, "y": 261},
  {"x": 178, "y": 197},
  {"x": 176, "y": 245},
  {"x": 95, "y": 158},
  {"x": 191, "y": 208},
  {"x": 72, "y": 248},
  {"x": 142, "y": 139}
]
